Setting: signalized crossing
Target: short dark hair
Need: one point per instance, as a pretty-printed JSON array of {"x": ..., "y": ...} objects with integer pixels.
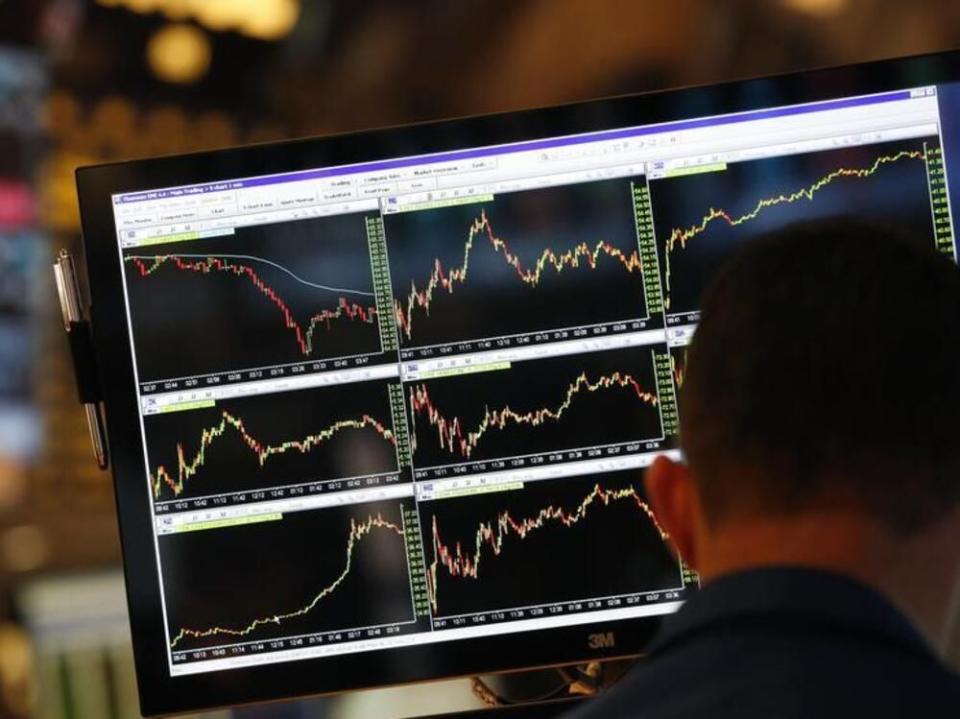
[{"x": 826, "y": 369}]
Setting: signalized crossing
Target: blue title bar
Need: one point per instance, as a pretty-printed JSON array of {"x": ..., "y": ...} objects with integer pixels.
[{"x": 487, "y": 151}]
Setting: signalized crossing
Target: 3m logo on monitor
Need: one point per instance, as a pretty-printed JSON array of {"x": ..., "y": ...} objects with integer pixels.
[{"x": 602, "y": 640}]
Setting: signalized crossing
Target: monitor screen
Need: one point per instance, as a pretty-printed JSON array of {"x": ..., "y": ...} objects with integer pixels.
[{"x": 396, "y": 411}]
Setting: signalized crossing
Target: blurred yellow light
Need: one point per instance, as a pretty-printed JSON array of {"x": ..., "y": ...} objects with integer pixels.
[
  {"x": 173, "y": 9},
  {"x": 179, "y": 53},
  {"x": 61, "y": 111},
  {"x": 213, "y": 129},
  {"x": 18, "y": 671},
  {"x": 817, "y": 8},
  {"x": 138, "y": 6},
  {"x": 24, "y": 548},
  {"x": 271, "y": 20},
  {"x": 262, "y": 19},
  {"x": 218, "y": 15}
]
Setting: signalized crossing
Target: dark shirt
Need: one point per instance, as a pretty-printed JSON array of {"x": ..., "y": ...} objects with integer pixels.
[{"x": 783, "y": 644}]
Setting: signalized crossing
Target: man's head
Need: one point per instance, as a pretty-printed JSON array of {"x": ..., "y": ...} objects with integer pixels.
[{"x": 822, "y": 386}]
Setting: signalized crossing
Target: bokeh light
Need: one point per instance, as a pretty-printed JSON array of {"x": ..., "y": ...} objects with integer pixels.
[
  {"x": 179, "y": 53},
  {"x": 261, "y": 19}
]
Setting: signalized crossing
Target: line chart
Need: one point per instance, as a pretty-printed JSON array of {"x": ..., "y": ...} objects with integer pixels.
[
  {"x": 156, "y": 259},
  {"x": 268, "y": 295},
  {"x": 682, "y": 236},
  {"x": 490, "y": 536},
  {"x": 255, "y": 443},
  {"x": 581, "y": 254},
  {"x": 264, "y": 585},
  {"x": 554, "y": 404},
  {"x": 357, "y": 532},
  {"x": 553, "y": 540},
  {"x": 188, "y": 467},
  {"x": 883, "y": 182},
  {"x": 344, "y": 310},
  {"x": 523, "y": 262},
  {"x": 454, "y": 439}
]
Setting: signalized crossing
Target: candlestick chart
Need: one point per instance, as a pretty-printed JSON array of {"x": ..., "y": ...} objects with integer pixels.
[
  {"x": 700, "y": 219},
  {"x": 267, "y": 295},
  {"x": 546, "y": 405},
  {"x": 523, "y": 262},
  {"x": 274, "y": 440},
  {"x": 311, "y": 571},
  {"x": 551, "y": 541}
]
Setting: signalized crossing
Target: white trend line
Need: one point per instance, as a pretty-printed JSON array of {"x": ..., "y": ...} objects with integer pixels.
[{"x": 258, "y": 259}]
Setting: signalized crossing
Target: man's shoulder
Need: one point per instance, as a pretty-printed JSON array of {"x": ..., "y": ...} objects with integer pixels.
[
  {"x": 784, "y": 643},
  {"x": 744, "y": 681}
]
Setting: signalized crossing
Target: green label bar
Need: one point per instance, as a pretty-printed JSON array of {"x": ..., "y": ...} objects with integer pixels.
[
  {"x": 466, "y": 369},
  {"x": 230, "y": 522},
  {"x": 452, "y": 202},
  {"x": 696, "y": 169},
  {"x": 480, "y": 489},
  {"x": 179, "y": 237},
  {"x": 183, "y": 406},
  {"x": 187, "y": 236}
]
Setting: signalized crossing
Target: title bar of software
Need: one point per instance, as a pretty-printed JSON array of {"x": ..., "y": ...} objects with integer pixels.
[{"x": 528, "y": 146}]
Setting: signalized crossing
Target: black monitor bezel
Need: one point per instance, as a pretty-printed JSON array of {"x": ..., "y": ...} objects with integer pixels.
[{"x": 160, "y": 693}]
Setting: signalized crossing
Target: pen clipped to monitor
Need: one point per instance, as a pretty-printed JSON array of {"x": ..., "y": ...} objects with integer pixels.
[{"x": 78, "y": 334}]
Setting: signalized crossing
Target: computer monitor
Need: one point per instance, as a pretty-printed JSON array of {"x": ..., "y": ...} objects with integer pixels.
[{"x": 380, "y": 404}]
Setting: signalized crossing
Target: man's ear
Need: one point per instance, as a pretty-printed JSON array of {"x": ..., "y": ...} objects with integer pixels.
[{"x": 675, "y": 502}]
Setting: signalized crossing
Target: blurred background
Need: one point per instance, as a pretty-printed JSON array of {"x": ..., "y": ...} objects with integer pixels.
[{"x": 84, "y": 81}]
